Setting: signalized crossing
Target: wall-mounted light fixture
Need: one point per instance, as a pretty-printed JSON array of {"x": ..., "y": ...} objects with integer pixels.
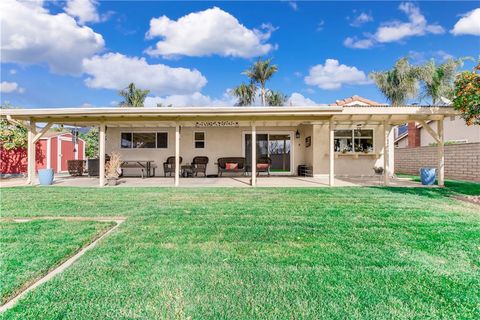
[{"x": 297, "y": 134}]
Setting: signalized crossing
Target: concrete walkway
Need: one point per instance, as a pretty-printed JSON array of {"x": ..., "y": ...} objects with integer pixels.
[{"x": 240, "y": 181}]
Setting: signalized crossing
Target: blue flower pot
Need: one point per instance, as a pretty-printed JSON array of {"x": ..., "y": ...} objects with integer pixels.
[
  {"x": 428, "y": 176},
  {"x": 45, "y": 177}
]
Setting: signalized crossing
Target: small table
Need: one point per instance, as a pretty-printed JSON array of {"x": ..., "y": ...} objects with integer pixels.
[
  {"x": 187, "y": 170},
  {"x": 145, "y": 164}
]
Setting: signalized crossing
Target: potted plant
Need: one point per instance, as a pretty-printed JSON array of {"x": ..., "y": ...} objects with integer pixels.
[{"x": 112, "y": 169}]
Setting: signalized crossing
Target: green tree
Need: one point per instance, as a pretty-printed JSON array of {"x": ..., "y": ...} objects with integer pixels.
[
  {"x": 438, "y": 80},
  {"x": 12, "y": 135},
  {"x": 467, "y": 95},
  {"x": 91, "y": 142},
  {"x": 398, "y": 84},
  {"x": 275, "y": 98},
  {"x": 245, "y": 93},
  {"x": 260, "y": 72},
  {"x": 133, "y": 97}
]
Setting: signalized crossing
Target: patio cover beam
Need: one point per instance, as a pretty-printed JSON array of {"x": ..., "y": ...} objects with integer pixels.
[
  {"x": 177, "y": 155},
  {"x": 254, "y": 155},
  {"x": 386, "y": 174},
  {"x": 31, "y": 156},
  {"x": 331, "y": 154},
  {"x": 101, "y": 151},
  {"x": 427, "y": 127},
  {"x": 441, "y": 154},
  {"x": 42, "y": 132}
]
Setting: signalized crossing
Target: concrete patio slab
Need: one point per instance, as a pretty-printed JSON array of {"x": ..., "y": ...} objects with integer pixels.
[{"x": 235, "y": 181}]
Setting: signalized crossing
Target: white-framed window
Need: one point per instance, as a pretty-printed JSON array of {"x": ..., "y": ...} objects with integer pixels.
[
  {"x": 143, "y": 140},
  {"x": 199, "y": 139},
  {"x": 353, "y": 140}
]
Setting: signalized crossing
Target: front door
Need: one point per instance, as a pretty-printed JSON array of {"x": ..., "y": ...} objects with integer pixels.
[{"x": 276, "y": 146}]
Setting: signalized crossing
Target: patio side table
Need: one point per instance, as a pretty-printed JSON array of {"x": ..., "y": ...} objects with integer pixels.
[{"x": 187, "y": 171}]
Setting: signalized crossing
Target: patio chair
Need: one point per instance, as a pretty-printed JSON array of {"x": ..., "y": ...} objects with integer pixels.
[
  {"x": 199, "y": 164},
  {"x": 231, "y": 164},
  {"x": 263, "y": 165},
  {"x": 169, "y": 166}
]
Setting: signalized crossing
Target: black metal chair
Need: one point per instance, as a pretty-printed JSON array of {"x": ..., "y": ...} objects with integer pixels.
[
  {"x": 199, "y": 164},
  {"x": 169, "y": 166}
]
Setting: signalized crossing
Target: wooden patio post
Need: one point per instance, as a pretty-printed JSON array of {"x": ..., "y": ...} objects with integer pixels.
[
  {"x": 101, "y": 155},
  {"x": 254, "y": 155},
  {"x": 331, "y": 154},
  {"x": 31, "y": 156},
  {"x": 177, "y": 155},
  {"x": 441, "y": 154},
  {"x": 385, "y": 153}
]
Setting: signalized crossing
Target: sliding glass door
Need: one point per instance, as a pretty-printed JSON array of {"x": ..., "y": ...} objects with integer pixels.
[{"x": 275, "y": 146}]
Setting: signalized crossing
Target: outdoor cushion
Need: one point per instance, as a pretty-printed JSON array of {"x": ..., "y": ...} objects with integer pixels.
[
  {"x": 262, "y": 166},
  {"x": 231, "y": 166}
]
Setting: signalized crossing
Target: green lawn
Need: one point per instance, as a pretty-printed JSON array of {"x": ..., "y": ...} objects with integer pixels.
[
  {"x": 468, "y": 188},
  {"x": 28, "y": 250},
  {"x": 364, "y": 253}
]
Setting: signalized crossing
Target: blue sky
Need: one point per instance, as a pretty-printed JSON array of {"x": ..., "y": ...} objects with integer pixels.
[{"x": 80, "y": 52}]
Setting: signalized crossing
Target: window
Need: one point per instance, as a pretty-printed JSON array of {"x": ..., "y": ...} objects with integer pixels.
[
  {"x": 343, "y": 140},
  {"x": 162, "y": 140},
  {"x": 356, "y": 140},
  {"x": 199, "y": 140},
  {"x": 363, "y": 140},
  {"x": 126, "y": 140},
  {"x": 144, "y": 140}
]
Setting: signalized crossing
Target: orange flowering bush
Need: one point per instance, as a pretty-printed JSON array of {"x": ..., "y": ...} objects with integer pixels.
[{"x": 467, "y": 95}]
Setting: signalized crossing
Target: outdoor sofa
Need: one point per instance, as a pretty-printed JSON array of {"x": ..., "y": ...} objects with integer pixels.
[{"x": 231, "y": 164}]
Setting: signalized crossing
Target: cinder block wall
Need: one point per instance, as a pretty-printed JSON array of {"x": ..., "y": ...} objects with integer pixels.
[{"x": 462, "y": 161}]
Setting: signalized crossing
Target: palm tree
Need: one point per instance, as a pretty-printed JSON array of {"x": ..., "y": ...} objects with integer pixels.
[
  {"x": 398, "y": 84},
  {"x": 260, "y": 72},
  {"x": 133, "y": 97},
  {"x": 245, "y": 93},
  {"x": 438, "y": 80},
  {"x": 275, "y": 98}
]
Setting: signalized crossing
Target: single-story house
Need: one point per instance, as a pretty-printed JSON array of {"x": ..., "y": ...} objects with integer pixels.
[
  {"x": 53, "y": 150},
  {"x": 414, "y": 135},
  {"x": 340, "y": 139}
]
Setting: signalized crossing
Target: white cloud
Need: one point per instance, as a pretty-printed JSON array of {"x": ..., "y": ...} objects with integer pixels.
[
  {"x": 116, "y": 71},
  {"x": 13, "y": 71},
  {"x": 190, "y": 100},
  {"x": 355, "y": 43},
  {"x": 31, "y": 35},
  {"x": 361, "y": 19},
  {"x": 293, "y": 5},
  {"x": 9, "y": 87},
  {"x": 417, "y": 26},
  {"x": 468, "y": 24},
  {"x": 332, "y": 75},
  {"x": 297, "y": 99},
  {"x": 396, "y": 30},
  {"x": 320, "y": 25},
  {"x": 84, "y": 10},
  {"x": 205, "y": 33}
]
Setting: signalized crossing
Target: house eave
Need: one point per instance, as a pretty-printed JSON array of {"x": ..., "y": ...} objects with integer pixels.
[{"x": 88, "y": 116}]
